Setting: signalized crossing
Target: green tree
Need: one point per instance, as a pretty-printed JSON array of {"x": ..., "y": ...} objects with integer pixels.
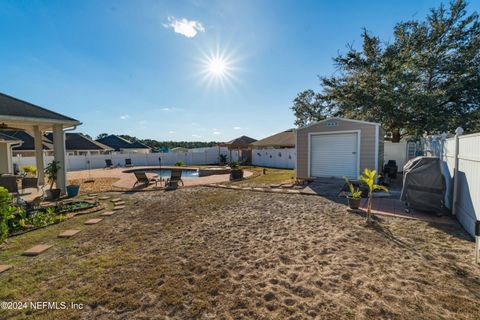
[
  {"x": 102, "y": 135},
  {"x": 426, "y": 81}
]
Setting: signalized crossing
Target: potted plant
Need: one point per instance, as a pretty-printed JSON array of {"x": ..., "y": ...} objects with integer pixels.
[
  {"x": 369, "y": 177},
  {"x": 73, "y": 190},
  {"x": 355, "y": 195},
  {"x": 235, "y": 173},
  {"x": 51, "y": 172}
]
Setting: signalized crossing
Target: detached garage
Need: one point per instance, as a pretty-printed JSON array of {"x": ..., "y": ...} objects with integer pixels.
[{"x": 338, "y": 147}]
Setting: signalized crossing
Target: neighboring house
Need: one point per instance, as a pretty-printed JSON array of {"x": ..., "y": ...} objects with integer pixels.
[
  {"x": 78, "y": 144},
  {"x": 276, "y": 151},
  {"x": 284, "y": 139},
  {"x": 242, "y": 146},
  {"x": 120, "y": 144},
  {"x": 75, "y": 144},
  {"x": 27, "y": 148},
  {"x": 337, "y": 147}
]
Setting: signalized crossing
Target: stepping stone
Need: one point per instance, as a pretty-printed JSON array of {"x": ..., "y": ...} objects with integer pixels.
[
  {"x": 120, "y": 203},
  {"x": 118, "y": 208},
  {"x": 92, "y": 221},
  {"x": 104, "y": 198},
  {"x": 93, "y": 194},
  {"x": 89, "y": 198},
  {"x": 107, "y": 213},
  {"x": 35, "y": 251},
  {"x": 273, "y": 185},
  {"x": 4, "y": 267},
  {"x": 68, "y": 233},
  {"x": 116, "y": 200}
]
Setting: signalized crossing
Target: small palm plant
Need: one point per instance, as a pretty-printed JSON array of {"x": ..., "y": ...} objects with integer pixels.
[{"x": 369, "y": 176}]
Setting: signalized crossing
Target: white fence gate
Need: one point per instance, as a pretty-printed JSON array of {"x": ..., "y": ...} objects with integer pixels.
[
  {"x": 461, "y": 154},
  {"x": 275, "y": 158}
]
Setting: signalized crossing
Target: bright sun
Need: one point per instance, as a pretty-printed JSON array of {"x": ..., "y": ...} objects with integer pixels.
[{"x": 217, "y": 67}]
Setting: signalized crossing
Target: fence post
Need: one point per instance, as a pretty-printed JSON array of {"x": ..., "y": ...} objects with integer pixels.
[{"x": 458, "y": 133}]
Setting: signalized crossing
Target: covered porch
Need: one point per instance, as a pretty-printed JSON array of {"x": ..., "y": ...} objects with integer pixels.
[{"x": 18, "y": 115}]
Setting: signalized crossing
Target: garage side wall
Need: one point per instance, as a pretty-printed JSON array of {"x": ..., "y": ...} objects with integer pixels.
[{"x": 367, "y": 143}]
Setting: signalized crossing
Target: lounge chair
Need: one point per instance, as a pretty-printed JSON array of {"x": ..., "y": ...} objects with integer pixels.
[
  {"x": 175, "y": 178},
  {"x": 9, "y": 183},
  {"x": 108, "y": 163},
  {"x": 128, "y": 162},
  {"x": 143, "y": 179}
]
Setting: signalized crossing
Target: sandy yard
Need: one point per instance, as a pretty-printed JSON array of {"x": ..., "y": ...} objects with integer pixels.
[{"x": 205, "y": 253}]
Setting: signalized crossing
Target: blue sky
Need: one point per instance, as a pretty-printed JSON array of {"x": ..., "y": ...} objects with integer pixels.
[{"x": 142, "y": 67}]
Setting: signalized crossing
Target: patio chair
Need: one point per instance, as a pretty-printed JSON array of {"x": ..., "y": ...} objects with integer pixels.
[
  {"x": 128, "y": 162},
  {"x": 9, "y": 183},
  {"x": 175, "y": 178},
  {"x": 143, "y": 179},
  {"x": 29, "y": 182},
  {"x": 108, "y": 163}
]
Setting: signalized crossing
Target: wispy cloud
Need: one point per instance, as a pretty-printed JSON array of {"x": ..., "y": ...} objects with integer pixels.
[
  {"x": 188, "y": 28},
  {"x": 143, "y": 122},
  {"x": 217, "y": 132},
  {"x": 196, "y": 136},
  {"x": 166, "y": 109},
  {"x": 124, "y": 117},
  {"x": 171, "y": 132},
  {"x": 237, "y": 128}
]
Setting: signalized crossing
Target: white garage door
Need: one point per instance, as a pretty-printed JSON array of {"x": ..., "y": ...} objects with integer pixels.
[{"x": 334, "y": 155}]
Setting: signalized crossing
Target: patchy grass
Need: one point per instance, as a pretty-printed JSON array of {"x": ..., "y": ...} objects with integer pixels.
[{"x": 271, "y": 176}]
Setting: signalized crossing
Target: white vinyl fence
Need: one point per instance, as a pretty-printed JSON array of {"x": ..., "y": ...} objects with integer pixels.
[
  {"x": 196, "y": 157},
  {"x": 461, "y": 155},
  {"x": 274, "y": 158}
]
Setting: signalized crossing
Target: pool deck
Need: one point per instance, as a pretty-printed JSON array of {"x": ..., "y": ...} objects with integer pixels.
[{"x": 127, "y": 179}]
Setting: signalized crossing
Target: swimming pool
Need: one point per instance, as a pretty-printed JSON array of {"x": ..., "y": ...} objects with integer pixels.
[{"x": 186, "y": 174}]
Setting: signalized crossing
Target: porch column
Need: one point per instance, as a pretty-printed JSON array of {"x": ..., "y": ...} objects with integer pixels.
[
  {"x": 6, "y": 165},
  {"x": 37, "y": 134},
  {"x": 59, "y": 156}
]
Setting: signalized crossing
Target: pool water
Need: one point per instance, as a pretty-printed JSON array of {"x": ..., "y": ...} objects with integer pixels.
[{"x": 187, "y": 174}]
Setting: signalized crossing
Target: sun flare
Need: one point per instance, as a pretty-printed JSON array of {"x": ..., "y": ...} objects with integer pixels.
[{"x": 217, "y": 67}]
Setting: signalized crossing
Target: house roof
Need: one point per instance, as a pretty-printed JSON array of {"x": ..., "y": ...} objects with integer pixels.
[
  {"x": 4, "y": 138},
  {"x": 78, "y": 141},
  {"x": 118, "y": 143},
  {"x": 282, "y": 139},
  {"x": 239, "y": 142},
  {"x": 28, "y": 141},
  {"x": 341, "y": 119},
  {"x": 15, "y": 109}
]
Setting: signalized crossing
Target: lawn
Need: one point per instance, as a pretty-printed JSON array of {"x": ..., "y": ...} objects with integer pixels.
[
  {"x": 205, "y": 253},
  {"x": 271, "y": 176}
]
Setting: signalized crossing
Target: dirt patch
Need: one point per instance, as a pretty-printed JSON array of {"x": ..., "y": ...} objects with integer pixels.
[
  {"x": 96, "y": 185},
  {"x": 203, "y": 253}
]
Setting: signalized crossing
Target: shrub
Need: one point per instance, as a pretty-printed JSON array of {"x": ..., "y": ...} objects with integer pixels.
[
  {"x": 43, "y": 218},
  {"x": 234, "y": 165},
  {"x": 7, "y": 210},
  {"x": 180, "y": 164},
  {"x": 29, "y": 169},
  {"x": 222, "y": 158}
]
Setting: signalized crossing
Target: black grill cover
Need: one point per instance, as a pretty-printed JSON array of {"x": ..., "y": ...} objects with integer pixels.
[{"x": 424, "y": 184}]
